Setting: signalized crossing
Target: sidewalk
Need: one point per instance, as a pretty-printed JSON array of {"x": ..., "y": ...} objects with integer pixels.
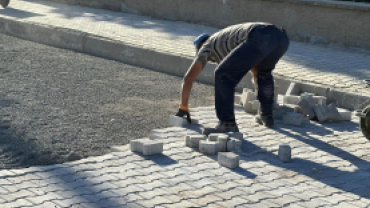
[
  {"x": 331, "y": 163},
  {"x": 332, "y": 67}
]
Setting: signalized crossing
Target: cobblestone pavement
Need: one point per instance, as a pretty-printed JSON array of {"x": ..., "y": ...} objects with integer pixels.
[
  {"x": 330, "y": 168},
  {"x": 338, "y": 68}
]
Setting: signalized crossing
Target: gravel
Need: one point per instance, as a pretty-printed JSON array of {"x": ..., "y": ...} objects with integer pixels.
[{"x": 57, "y": 105}]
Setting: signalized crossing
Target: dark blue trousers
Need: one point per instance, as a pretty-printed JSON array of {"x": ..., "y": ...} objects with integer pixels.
[{"x": 264, "y": 47}]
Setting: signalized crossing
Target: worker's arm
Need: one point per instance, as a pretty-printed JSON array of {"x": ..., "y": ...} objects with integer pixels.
[
  {"x": 193, "y": 72},
  {"x": 254, "y": 71}
]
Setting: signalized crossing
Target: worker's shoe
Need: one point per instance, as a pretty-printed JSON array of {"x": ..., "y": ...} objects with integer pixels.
[
  {"x": 4, "y": 3},
  {"x": 265, "y": 118},
  {"x": 222, "y": 127}
]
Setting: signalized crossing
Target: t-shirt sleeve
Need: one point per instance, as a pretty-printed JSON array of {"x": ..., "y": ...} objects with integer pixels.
[{"x": 203, "y": 56}]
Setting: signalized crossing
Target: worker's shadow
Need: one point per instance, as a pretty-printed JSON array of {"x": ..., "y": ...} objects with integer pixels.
[{"x": 354, "y": 182}]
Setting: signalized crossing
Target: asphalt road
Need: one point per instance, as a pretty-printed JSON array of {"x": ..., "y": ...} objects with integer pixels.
[{"x": 58, "y": 105}]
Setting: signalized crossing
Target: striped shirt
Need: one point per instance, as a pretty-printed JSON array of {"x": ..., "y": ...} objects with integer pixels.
[{"x": 220, "y": 44}]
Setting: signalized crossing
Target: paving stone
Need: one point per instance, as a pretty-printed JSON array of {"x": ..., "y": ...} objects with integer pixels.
[
  {"x": 285, "y": 154},
  {"x": 315, "y": 202},
  {"x": 223, "y": 141},
  {"x": 234, "y": 145},
  {"x": 307, "y": 94},
  {"x": 333, "y": 113},
  {"x": 192, "y": 141},
  {"x": 278, "y": 112},
  {"x": 203, "y": 201},
  {"x": 234, "y": 202},
  {"x": 17, "y": 195},
  {"x": 237, "y": 99},
  {"x": 214, "y": 136},
  {"x": 249, "y": 107},
  {"x": 137, "y": 144},
  {"x": 345, "y": 115},
  {"x": 247, "y": 96},
  {"x": 228, "y": 159},
  {"x": 154, "y": 201},
  {"x": 293, "y": 119},
  {"x": 258, "y": 196},
  {"x": 290, "y": 99},
  {"x": 320, "y": 112},
  {"x": 307, "y": 104},
  {"x": 284, "y": 200},
  {"x": 178, "y": 121},
  {"x": 256, "y": 105},
  {"x": 181, "y": 204},
  {"x": 181, "y": 187},
  {"x": 319, "y": 100},
  {"x": 276, "y": 93},
  {"x": 209, "y": 147},
  {"x": 235, "y": 135},
  {"x": 298, "y": 109},
  {"x": 152, "y": 148}
]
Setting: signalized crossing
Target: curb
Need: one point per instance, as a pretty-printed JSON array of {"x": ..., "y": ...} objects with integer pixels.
[{"x": 141, "y": 56}]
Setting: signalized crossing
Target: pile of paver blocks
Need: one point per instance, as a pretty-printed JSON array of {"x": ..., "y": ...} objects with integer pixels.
[
  {"x": 296, "y": 106},
  {"x": 224, "y": 144},
  {"x": 311, "y": 106}
]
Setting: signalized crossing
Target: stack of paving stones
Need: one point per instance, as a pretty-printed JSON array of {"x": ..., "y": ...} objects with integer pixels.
[
  {"x": 296, "y": 106},
  {"x": 313, "y": 107}
]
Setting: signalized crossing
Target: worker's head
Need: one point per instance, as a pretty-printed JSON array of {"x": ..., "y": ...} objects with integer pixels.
[{"x": 198, "y": 42}]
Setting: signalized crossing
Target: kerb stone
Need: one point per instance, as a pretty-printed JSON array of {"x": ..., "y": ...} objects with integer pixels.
[
  {"x": 228, "y": 159},
  {"x": 293, "y": 89}
]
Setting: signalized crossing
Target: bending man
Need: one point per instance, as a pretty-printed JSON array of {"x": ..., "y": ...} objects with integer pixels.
[{"x": 237, "y": 49}]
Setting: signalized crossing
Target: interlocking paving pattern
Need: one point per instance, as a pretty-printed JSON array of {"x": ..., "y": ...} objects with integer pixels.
[
  {"x": 330, "y": 168},
  {"x": 330, "y": 66}
]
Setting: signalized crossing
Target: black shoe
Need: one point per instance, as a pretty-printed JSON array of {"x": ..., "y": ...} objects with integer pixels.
[
  {"x": 265, "y": 119},
  {"x": 4, "y": 3},
  {"x": 222, "y": 127}
]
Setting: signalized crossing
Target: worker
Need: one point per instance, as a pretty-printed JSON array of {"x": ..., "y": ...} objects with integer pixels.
[
  {"x": 4, "y": 3},
  {"x": 255, "y": 46}
]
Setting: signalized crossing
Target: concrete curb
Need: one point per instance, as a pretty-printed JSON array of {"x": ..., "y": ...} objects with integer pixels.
[{"x": 141, "y": 56}]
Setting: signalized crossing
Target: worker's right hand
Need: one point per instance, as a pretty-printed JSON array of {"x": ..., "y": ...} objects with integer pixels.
[{"x": 184, "y": 111}]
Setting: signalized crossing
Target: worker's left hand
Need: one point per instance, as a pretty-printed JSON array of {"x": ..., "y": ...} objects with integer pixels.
[{"x": 184, "y": 111}]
